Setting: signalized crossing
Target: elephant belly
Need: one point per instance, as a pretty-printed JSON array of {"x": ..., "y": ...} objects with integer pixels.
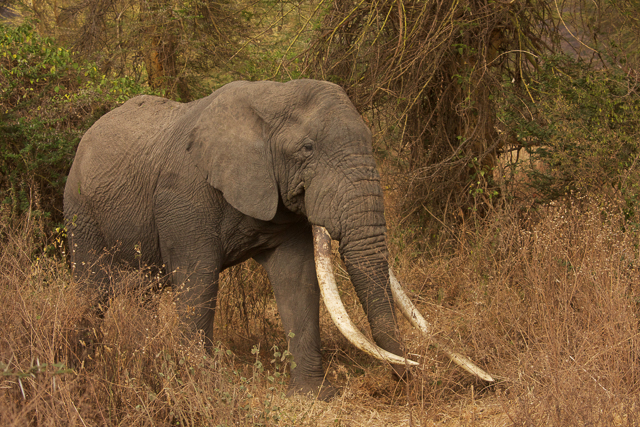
[
  {"x": 125, "y": 223},
  {"x": 244, "y": 237},
  {"x": 136, "y": 245}
]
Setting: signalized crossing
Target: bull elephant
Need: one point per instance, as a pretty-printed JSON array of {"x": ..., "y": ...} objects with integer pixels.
[{"x": 253, "y": 170}]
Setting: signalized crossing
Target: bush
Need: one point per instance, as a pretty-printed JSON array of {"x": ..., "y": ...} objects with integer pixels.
[
  {"x": 48, "y": 98},
  {"x": 579, "y": 127},
  {"x": 428, "y": 76},
  {"x": 546, "y": 300}
]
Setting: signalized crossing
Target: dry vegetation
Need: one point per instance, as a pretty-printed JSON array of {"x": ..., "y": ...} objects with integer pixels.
[
  {"x": 545, "y": 299},
  {"x": 542, "y": 294}
]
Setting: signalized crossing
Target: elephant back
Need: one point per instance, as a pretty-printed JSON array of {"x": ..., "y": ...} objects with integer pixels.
[{"x": 123, "y": 141}]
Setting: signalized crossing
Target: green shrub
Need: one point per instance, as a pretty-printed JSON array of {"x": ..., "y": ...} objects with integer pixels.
[
  {"x": 579, "y": 126},
  {"x": 48, "y": 98}
]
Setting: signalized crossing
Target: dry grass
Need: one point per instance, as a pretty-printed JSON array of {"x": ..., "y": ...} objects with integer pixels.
[{"x": 546, "y": 300}]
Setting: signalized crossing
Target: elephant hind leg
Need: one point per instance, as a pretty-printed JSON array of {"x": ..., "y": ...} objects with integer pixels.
[{"x": 90, "y": 262}]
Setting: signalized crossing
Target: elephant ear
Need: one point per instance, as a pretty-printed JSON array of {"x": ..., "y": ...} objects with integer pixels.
[{"x": 228, "y": 145}]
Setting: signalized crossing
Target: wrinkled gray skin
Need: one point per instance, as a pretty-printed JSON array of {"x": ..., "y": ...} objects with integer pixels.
[{"x": 242, "y": 173}]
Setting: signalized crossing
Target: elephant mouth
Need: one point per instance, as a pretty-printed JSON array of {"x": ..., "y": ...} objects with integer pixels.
[{"x": 338, "y": 313}]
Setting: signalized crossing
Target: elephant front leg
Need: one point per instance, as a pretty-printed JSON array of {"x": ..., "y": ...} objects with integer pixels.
[
  {"x": 291, "y": 271},
  {"x": 193, "y": 266},
  {"x": 190, "y": 251},
  {"x": 196, "y": 296}
]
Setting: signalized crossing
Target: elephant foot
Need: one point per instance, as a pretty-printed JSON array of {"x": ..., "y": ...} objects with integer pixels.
[{"x": 323, "y": 390}]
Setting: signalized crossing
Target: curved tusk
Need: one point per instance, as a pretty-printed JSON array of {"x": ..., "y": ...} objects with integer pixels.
[
  {"x": 331, "y": 297},
  {"x": 415, "y": 318}
]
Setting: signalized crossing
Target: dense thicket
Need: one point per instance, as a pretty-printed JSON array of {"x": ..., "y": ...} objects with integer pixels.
[
  {"x": 48, "y": 97},
  {"x": 457, "y": 86},
  {"x": 168, "y": 44}
]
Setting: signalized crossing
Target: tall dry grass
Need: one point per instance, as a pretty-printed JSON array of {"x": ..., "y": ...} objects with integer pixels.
[
  {"x": 64, "y": 362},
  {"x": 546, "y": 300}
]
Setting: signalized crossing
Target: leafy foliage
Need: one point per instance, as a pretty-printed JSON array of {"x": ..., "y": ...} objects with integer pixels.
[
  {"x": 580, "y": 129},
  {"x": 434, "y": 78},
  {"x": 47, "y": 100},
  {"x": 428, "y": 72},
  {"x": 171, "y": 45}
]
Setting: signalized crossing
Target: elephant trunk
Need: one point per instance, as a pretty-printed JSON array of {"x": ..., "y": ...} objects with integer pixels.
[
  {"x": 368, "y": 269},
  {"x": 363, "y": 248},
  {"x": 356, "y": 219},
  {"x": 331, "y": 297}
]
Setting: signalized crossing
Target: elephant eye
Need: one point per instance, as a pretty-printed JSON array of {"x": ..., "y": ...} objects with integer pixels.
[{"x": 307, "y": 148}]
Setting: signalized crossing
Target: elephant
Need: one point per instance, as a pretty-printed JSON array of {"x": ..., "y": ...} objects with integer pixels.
[{"x": 254, "y": 170}]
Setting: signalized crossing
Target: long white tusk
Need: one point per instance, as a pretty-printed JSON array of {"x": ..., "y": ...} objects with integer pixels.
[
  {"x": 331, "y": 297},
  {"x": 415, "y": 318}
]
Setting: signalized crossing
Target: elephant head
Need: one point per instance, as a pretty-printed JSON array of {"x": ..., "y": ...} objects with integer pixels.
[{"x": 301, "y": 148}]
